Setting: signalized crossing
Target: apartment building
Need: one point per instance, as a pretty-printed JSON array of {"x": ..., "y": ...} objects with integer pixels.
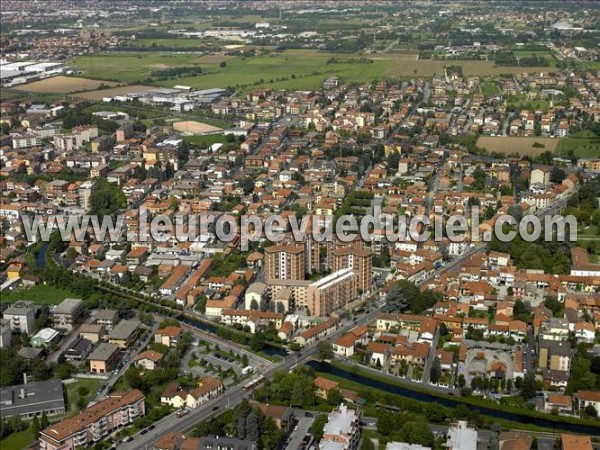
[
  {"x": 285, "y": 262},
  {"x": 67, "y": 315},
  {"x": 332, "y": 292},
  {"x": 342, "y": 430},
  {"x": 103, "y": 358},
  {"x": 355, "y": 257},
  {"x": 21, "y": 317},
  {"x": 95, "y": 423}
]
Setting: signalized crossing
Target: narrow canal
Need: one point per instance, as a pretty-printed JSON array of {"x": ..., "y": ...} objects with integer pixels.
[{"x": 406, "y": 392}]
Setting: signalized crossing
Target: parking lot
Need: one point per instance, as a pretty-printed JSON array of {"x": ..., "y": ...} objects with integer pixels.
[{"x": 299, "y": 431}]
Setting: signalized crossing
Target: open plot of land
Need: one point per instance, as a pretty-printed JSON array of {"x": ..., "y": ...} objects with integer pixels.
[
  {"x": 121, "y": 90},
  {"x": 64, "y": 85},
  {"x": 129, "y": 67},
  {"x": 531, "y": 146},
  {"x": 582, "y": 147},
  {"x": 191, "y": 126},
  {"x": 44, "y": 295},
  {"x": 403, "y": 65},
  {"x": 293, "y": 69}
]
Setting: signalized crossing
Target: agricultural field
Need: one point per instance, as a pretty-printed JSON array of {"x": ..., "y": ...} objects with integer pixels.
[
  {"x": 407, "y": 65},
  {"x": 64, "y": 85},
  {"x": 531, "y": 146},
  {"x": 292, "y": 69},
  {"x": 130, "y": 67},
  {"x": 121, "y": 90}
]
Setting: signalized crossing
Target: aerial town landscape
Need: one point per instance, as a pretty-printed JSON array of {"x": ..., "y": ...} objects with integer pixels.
[{"x": 299, "y": 135}]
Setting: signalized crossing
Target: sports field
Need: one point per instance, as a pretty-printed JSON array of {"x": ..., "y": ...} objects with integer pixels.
[
  {"x": 194, "y": 127},
  {"x": 63, "y": 85}
]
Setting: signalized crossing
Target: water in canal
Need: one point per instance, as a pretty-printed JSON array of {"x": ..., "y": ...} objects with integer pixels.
[{"x": 406, "y": 392}]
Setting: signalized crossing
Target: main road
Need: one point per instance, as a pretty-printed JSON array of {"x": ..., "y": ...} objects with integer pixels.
[{"x": 235, "y": 394}]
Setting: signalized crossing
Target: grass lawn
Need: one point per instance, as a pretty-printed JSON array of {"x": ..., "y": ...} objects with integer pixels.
[
  {"x": 92, "y": 385},
  {"x": 41, "y": 294},
  {"x": 489, "y": 88},
  {"x": 205, "y": 141},
  {"x": 18, "y": 441},
  {"x": 584, "y": 144}
]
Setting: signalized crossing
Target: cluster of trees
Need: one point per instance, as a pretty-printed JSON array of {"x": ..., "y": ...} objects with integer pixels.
[
  {"x": 106, "y": 199},
  {"x": 13, "y": 366},
  {"x": 404, "y": 427},
  {"x": 251, "y": 424},
  {"x": 405, "y": 295},
  {"x": 549, "y": 256},
  {"x": 584, "y": 375},
  {"x": 584, "y": 205},
  {"x": 185, "y": 71},
  {"x": 296, "y": 388},
  {"x": 76, "y": 118}
]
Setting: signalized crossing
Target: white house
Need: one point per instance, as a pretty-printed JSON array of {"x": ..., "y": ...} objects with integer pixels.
[{"x": 344, "y": 346}]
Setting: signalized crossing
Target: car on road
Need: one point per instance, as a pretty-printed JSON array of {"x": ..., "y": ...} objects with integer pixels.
[
  {"x": 144, "y": 431},
  {"x": 296, "y": 428},
  {"x": 308, "y": 414},
  {"x": 182, "y": 413},
  {"x": 215, "y": 408},
  {"x": 152, "y": 427}
]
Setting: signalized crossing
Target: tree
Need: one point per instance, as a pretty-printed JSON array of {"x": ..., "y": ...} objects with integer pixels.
[
  {"x": 436, "y": 371},
  {"x": 415, "y": 432},
  {"x": 35, "y": 426},
  {"x": 82, "y": 391},
  {"x": 334, "y": 397},
  {"x": 252, "y": 427},
  {"x": 528, "y": 390},
  {"x": 461, "y": 381},
  {"x": 257, "y": 343},
  {"x": 44, "y": 423},
  {"x": 367, "y": 444},
  {"x": 254, "y": 305},
  {"x": 106, "y": 199},
  {"x": 590, "y": 411},
  {"x": 324, "y": 350},
  {"x": 263, "y": 305},
  {"x": 280, "y": 308},
  {"x": 317, "y": 426}
]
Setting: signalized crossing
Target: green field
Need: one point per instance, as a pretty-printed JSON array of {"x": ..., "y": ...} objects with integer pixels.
[
  {"x": 205, "y": 141},
  {"x": 130, "y": 67},
  {"x": 91, "y": 384},
  {"x": 291, "y": 70},
  {"x": 18, "y": 441},
  {"x": 40, "y": 294},
  {"x": 584, "y": 145}
]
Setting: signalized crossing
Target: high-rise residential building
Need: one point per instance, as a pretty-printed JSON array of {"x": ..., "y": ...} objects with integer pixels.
[
  {"x": 332, "y": 292},
  {"x": 352, "y": 255},
  {"x": 285, "y": 262}
]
